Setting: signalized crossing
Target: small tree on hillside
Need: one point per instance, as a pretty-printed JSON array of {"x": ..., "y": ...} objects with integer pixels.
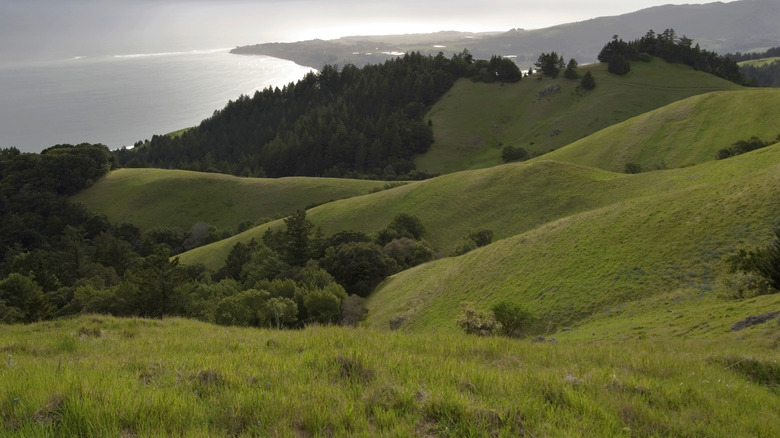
[
  {"x": 550, "y": 64},
  {"x": 619, "y": 65},
  {"x": 571, "y": 70},
  {"x": 588, "y": 82}
]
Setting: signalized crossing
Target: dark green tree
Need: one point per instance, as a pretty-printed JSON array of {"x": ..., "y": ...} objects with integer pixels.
[
  {"x": 358, "y": 266},
  {"x": 158, "y": 278},
  {"x": 298, "y": 231},
  {"x": 588, "y": 82},
  {"x": 619, "y": 65},
  {"x": 571, "y": 70},
  {"x": 403, "y": 225},
  {"x": 550, "y": 64},
  {"x": 513, "y": 317}
]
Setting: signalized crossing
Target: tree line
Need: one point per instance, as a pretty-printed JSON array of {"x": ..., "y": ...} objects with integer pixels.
[
  {"x": 671, "y": 48},
  {"x": 349, "y": 122},
  {"x": 59, "y": 259}
]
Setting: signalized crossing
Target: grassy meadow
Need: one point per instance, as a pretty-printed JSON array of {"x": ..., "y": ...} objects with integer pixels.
[
  {"x": 102, "y": 376},
  {"x": 472, "y": 119},
  {"x": 177, "y": 198}
]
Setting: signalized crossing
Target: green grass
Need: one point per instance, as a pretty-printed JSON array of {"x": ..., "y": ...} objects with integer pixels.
[
  {"x": 671, "y": 238},
  {"x": 178, "y": 132},
  {"x": 508, "y": 199},
  {"x": 102, "y": 376},
  {"x": 472, "y": 119},
  {"x": 177, "y": 198},
  {"x": 683, "y": 133},
  {"x": 759, "y": 62}
]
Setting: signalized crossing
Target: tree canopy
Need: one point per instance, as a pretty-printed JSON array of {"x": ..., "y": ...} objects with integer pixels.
[{"x": 671, "y": 48}]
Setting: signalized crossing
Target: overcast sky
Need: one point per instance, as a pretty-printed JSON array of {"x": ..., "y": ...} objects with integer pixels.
[{"x": 69, "y": 27}]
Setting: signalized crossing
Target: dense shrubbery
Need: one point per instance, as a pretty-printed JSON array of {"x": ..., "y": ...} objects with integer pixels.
[{"x": 744, "y": 146}]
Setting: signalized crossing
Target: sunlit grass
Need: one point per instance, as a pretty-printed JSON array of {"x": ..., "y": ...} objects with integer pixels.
[
  {"x": 684, "y": 133},
  {"x": 182, "y": 378},
  {"x": 669, "y": 231}
]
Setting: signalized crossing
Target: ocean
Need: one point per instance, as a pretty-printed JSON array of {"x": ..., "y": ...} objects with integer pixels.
[{"x": 119, "y": 99}]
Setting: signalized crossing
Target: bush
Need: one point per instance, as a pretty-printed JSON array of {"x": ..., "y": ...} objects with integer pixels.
[
  {"x": 761, "y": 262},
  {"x": 633, "y": 168},
  {"x": 353, "y": 310},
  {"x": 513, "y": 318},
  {"x": 511, "y": 153},
  {"x": 475, "y": 322}
]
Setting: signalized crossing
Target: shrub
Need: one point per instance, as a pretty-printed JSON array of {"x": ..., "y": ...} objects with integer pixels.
[
  {"x": 511, "y": 153},
  {"x": 481, "y": 237},
  {"x": 353, "y": 310},
  {"x": 761, "y": 262},
  {"x": 476, "y": 322},
  {"x": 633, "y": 168},
  {"x": 512, "y": 317}
]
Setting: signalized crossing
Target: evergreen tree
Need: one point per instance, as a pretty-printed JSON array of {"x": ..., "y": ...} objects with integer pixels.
[
  {"x": 588, "y": 82},
  {"x": 571, "y": 70}
]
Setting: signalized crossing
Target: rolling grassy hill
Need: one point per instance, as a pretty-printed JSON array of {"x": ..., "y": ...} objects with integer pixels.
[
  {"x": 683, "y": 133},
  {"x": 508, "y": 199},
  {"x": 175, "y": 198},
  {"x": 759, "y": 62},
  {"x": 472, "y": 119},
  {"x": 671, "y": 239}
]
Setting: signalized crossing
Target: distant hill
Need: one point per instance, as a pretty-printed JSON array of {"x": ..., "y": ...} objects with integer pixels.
[
  {"x": 151, "y": 198},
  {"x": 739, "y": 26},
  {"x": 474, "y": 120},
  {"x": 683, "y": 133}
]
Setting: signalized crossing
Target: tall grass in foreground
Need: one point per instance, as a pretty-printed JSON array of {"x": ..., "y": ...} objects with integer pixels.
[{"x": 103, "y": 376}]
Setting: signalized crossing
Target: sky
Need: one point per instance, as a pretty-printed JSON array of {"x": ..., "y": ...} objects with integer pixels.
[{"x": 85, "y": 27}]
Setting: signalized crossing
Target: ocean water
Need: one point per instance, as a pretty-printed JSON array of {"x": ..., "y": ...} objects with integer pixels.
[{"x": 119, "y": 99}]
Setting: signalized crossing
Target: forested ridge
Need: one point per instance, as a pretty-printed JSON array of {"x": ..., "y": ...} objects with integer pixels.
[
  {"x": 671, "y": 48},
  {"x": 352, "y": 122}
]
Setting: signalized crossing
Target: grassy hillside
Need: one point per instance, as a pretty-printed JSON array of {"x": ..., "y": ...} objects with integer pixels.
[
  {"x": 668, "y": 240},
  {"x": 472, "y": 119},
  {"x": 101, "y": 376},
  {"x": 177, "y": 198},
  {"x": 759, "y": 62},
  {"x": 683, "y": 133},
  {"x": 508, "y": 199}
]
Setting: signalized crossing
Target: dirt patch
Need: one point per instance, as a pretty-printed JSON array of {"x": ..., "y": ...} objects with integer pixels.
[{"x": 753, "y": 320}]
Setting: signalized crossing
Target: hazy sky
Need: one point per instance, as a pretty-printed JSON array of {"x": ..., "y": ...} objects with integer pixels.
[{"x": 81, "y": 27}]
